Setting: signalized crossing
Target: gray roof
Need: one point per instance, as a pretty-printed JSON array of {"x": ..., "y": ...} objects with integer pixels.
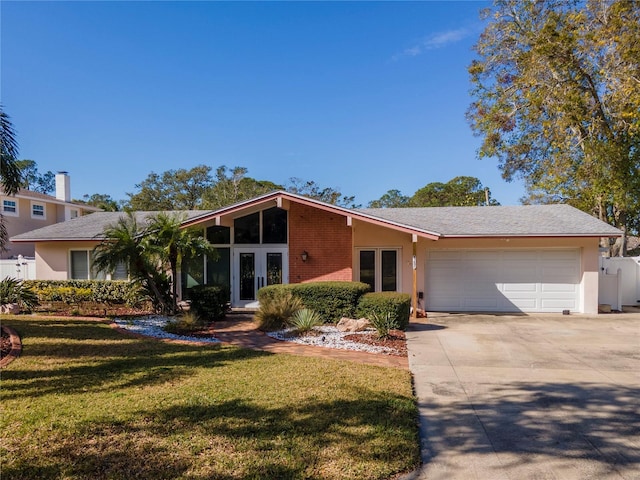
[
  {"x": 523, "y": 220},
  {"x": 88, "y": 227}
]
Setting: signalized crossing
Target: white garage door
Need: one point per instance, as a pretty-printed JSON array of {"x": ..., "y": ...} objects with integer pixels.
[{"x": 503, "y": 280}]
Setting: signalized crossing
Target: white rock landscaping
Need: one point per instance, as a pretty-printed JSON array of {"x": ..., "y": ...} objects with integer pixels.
[
  {"x": 324, "y": 336},
  {"x": 330, "y": 337},
  {"x": 152, "y": 326}
]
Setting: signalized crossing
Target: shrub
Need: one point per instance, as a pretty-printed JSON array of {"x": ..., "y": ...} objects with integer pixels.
[
  {"x": 185, "y": 323},
  {"x": 304, "y": 320},
  {"x": 209, "y": 301},
  {"x": 383, "y": 323},
  {"x": 102, "y": 291},
  {"x": 276, "y": 309},
  {"x": 15, "y": 291},
  {"x": 398, "y": 305},
  {"x": 65, "y": 294},
  {"x": 332, "y": 300}
]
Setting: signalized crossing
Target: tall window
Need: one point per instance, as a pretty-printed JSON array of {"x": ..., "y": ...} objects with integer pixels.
[
  {"x": 274, "y": 225},
  {"x": 378, "y": 267},
  {"x": 247, "y": 229}
]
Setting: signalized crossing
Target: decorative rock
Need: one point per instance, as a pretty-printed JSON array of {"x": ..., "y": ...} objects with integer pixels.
[
  {"x": 352, "y": 325},
  {"x": 10, "y": 309}
]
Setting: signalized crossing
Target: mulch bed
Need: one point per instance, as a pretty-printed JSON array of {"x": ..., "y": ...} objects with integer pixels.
[
  {"x": 5, "y": 344},
  {"x": 396, "y": 341}
]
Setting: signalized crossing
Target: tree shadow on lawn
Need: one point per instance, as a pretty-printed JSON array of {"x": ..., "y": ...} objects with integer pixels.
[
  {"x": 71, "y": 328},
  {"x": 97, "y": 358},
  {"x": 314, "y": 440},
  {"x": 572, "y": 423}
]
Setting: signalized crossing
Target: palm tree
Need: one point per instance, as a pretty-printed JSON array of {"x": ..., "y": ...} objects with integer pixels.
[
  {"x": 127, "y": 242},
  {"x": 174, "y": 243},
  {"x": 10, "y": 175}
]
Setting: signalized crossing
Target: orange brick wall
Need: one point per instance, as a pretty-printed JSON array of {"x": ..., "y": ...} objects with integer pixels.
[{"x": 326, "y": 238}]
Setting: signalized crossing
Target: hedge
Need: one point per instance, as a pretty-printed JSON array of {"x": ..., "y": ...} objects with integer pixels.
[
  {"x": 381, "y": 303},
  {"x": 332, "y": 300},
  {"x": 209, "y": 302},
  {"x": 75, "y": 291}
]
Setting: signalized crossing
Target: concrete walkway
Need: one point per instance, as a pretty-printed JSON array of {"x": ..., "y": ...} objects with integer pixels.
[{"x": 528, "y": 397}]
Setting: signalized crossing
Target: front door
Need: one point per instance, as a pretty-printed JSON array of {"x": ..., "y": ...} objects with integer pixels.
[{"x": 255, "y": 268}]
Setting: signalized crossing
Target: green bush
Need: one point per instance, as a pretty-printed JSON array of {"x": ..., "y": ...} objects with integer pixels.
[
  {"x": 304, "y": 320},
  {"x": 331, "y": 300},
  {"x": 65, "y": 294},
  {"x": 209, "y": 301},
  {"x": 383, "y": 323},
  {"x": 398, "y": 305},
  {"x": 276, "y": 308},
  {"x": 99, "y": 291},
  {"x": 15, "y": 291}
]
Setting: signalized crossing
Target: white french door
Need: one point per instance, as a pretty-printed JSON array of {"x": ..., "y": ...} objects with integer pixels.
[{"x": 254, "y": 268}]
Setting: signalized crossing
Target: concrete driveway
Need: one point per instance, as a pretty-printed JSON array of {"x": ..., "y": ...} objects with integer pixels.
[{"x": 528, "y": 397}]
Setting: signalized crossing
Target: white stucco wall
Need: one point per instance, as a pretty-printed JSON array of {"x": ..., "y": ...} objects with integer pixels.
[{"x": 52, "y": 258}]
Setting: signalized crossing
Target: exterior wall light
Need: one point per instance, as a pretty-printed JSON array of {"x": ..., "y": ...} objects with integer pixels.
[{"x": 304, "y": 256}]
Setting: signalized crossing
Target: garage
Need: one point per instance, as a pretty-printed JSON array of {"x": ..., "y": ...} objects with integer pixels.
[{"x": 508, "y": 280}]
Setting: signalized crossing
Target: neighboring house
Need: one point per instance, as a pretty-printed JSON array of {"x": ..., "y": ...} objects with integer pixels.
[
  {"x": 538, "y": 258},
  {"x": 26, "y": 211}
]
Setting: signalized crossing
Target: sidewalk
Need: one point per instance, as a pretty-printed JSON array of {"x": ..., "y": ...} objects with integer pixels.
[{"x": 240, "y": 330}]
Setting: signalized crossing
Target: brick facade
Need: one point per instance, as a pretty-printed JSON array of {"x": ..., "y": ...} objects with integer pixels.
[{"x": 328, "y": 241}]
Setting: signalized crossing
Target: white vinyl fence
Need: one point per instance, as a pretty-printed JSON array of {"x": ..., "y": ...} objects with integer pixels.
[
  {"x": 23, "y": 268},
  {"x": 619, "y": 282}
]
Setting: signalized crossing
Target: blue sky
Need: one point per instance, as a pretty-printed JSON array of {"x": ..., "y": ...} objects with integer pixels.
[{"x": 364, "y": 97}]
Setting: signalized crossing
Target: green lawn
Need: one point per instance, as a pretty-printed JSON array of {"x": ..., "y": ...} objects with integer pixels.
[{"x": 84, "y": 401}]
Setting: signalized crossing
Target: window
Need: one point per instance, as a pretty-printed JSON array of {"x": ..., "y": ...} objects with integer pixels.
[
  {"x": 378, "y": 267},
  {"x": 38, "y": 211},
  {"x": 268, "y": 226},
  {"x": 10, "y": 207},
  {"x": 81, "y": 268},
  {"x": 219, "y": 235},
  {"x": 73, "y": 213},
  {"x": 247, "y": 229},
  {"x": 80, "y": 265},
  {"x": 274, "y": 225}
]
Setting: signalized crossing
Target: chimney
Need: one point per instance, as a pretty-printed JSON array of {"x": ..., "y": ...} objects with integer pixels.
[{"x": 63, "y": 187}]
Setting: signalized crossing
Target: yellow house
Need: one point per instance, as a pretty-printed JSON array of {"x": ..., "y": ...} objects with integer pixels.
[{"x": 26, "y": 211}]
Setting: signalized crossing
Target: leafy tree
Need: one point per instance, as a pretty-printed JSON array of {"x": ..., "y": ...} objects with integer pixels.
[
  {"x": 232, "y": 186},
  {"x": 556, "y": 89},
  {"x": 172, "y": 243},
  {"x": 10, "y": 178},
  {"x": 127, "y": 242},
  {"x": 100, "y": 200},
  {"x": 391, "y": 199},
  {"x": 180, "y": 189},
  {"x": 457, "y": 192},
  {"x": 35, "y": 181},
  {"x": 328, "y": 195}
]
